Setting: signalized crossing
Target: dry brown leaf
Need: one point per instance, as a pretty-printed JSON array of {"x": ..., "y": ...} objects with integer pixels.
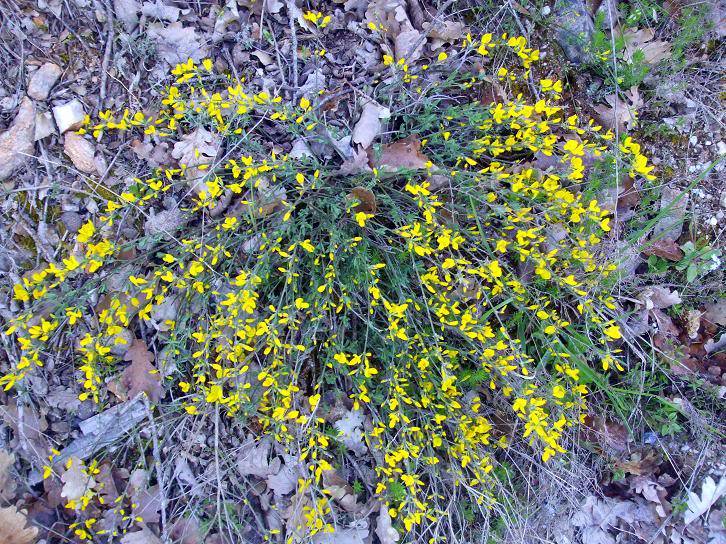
[
  {"x": 285, "y": 481},
  {"x": 366, "y": 200},
  {"x": 337, "y": 487},
  {"x": 253, "y": 458},
  {"x": 13, "y": 529},
  {"x": 445, "y": 32},
  {"x": 659, "y": 297},
  {"x": 654, "y": 51},
  {"x": 148, "y": 504},
  {"x": 144, "y": 536},
  {"x": 350, "y": 431},
  {"x": 347, "y": 535},
  {"x": 369, "y": 124},
  {"x": 639, "y": 464},
  {"x": 356, "y": 165},
  {"x": 607, "y": 433},
  {"x": 716, "y": 313},
  {"x": 194, "y": 150},
  {"x": 405, "y": 153},
  {"x": 186, "y": 531},
  {"x": 7, "y": 483},
  {"x": 666, "y": 249},
  {"x": 409, "y": 45},
  {"x": 176, "y": 43},
  {"x": 141, "y": 375},
  {"x": 619, "y": 114},
  {"x": 75, "y": 481}
]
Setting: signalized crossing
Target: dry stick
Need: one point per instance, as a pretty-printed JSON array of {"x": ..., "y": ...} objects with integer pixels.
[
  {"x": 157, "y": 467},
  {"x": 106, "y": 53},
  {"x": 293, "y": 36}
]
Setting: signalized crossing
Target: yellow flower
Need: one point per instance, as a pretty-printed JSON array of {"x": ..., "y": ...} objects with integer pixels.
[
  {"x": 85, "y": 232},
  {"x": 613, "y": 332},
  {"x": 362, "y": 217}
]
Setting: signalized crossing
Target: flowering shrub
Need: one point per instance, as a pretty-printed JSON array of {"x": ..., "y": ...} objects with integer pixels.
[{"x": 435, "y": 295}]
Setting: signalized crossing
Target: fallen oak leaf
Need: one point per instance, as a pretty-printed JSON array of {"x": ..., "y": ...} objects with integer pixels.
[
  {"x": 404, "y": 153},
  {"x": 141, "y": 375},
  {"x": 665, "y": 249},
  {"x": 642, "y": 40},
  {"x": 76, "y": 481},
  {"x": 619, "y": 114},
  {"x": 13, "y": 528}
]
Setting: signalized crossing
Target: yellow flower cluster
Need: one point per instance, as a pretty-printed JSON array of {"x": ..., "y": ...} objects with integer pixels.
[{"x": 434, "y": 316}]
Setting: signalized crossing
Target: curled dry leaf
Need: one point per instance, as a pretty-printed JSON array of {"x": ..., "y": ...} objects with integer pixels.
[
  {"x": 13, "y": 528},
  {"x": 80, "y": 151},
  {"x": 710, "y": 493},
  {"x": 75, "y": 480},
  {"x": 384, "y": 528},
  {"x": 659, "y": 297},
  {"x": 673, "y": 207},
  {"x": 607, "y": 433},
  {"x": 141, "y": 375},
  {"x": 445, "y": 32},
  {"x": 716, "y": 313},
  {"x": 408, "y": 45},
  {"x": 347, "y": 535},
  {"x": 369, "y": 124},
  {"x": 285, "y": 481}
]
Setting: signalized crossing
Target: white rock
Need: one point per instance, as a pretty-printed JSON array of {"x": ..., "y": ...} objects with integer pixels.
[
  {"x": 42, "y": 81},
  {"x": 546, "y": 10},
  {"x": 16, "y": 143},
  {"x": 69, "y": 116},
  {"x": 44, "y": 126},
  {"x": 712, "y": 221},
  {"x": 693, "y": 140},
  {"x": 721, "y": 147}
]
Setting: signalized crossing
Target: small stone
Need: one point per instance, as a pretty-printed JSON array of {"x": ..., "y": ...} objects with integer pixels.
[
  {"x": 693, "y": 140},
  {"x": 712, "y": 221},
  {"x": 16, "y": 143},
  {"x": 546, "y": 11},
  {"x": 80, "y": 151},
  {"x": 721, "y": 147},
  {"x": 42, "y": 81},
  {"x": 69, "y": 116},
  {"x": 72, "y": 221},
  {"x": 44, "y": 125}
]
